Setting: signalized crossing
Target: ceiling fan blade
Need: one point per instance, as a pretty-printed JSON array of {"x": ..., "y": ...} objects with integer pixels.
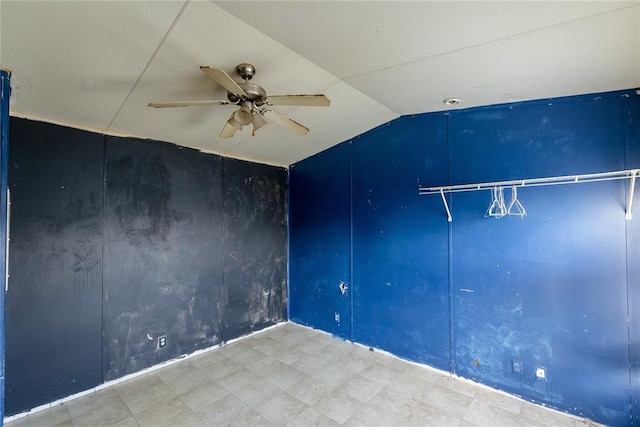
[
  {"x": 186, "y": 103},
  {"x": 224, "y": 80},
  {"x": 302, "y": 100},
  {"x": 227, "y": 131},
  {"x": 286, "y": 122}
]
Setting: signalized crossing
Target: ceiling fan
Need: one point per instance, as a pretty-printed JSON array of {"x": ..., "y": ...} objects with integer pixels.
[{"x": 253, "y": 101}]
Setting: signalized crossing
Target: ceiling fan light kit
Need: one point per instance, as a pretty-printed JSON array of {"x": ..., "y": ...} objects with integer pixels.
[{"x": 253, "y": 101}]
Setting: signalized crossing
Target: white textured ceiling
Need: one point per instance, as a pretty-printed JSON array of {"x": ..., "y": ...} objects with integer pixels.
[{"x": 97, "y": 65}]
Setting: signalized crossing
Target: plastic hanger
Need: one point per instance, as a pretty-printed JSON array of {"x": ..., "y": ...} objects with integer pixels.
[
  {"x": 497, "y": 208},
  {"x": 515, "y": 207}
]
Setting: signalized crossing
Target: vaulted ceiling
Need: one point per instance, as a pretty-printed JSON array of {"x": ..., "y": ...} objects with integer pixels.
[{"x": 96, "y": 65}]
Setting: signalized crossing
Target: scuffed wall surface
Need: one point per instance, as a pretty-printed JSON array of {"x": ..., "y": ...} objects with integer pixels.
[
  {"x": 163, "y": 267},
  {"x": 552, "y": 290},
  {"x": 255, "y": 247},
  {"x": 54, "y": 302},
  {"x": 116, "y": 242}
]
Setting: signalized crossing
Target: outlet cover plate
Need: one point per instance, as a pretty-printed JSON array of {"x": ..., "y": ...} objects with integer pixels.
[{"x": 516, "y": 366}]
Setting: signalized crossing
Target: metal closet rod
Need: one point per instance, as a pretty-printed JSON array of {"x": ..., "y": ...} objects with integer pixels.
[{"x": 538, "y": 182}]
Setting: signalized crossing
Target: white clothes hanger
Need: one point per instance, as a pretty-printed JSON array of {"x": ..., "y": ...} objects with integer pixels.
[{"x": 515, "y": 207}]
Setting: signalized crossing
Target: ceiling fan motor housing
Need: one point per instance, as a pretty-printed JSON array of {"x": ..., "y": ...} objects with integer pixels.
[{"x": 255, "y": 94}]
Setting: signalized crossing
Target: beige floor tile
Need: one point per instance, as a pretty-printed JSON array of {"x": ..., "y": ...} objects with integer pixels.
[
  {"x": 326, "y": 338},
  {"x": 270, "y": 346},
  {"x": 448, "y": 400},
  {"x": 190, "y": 380},
  {"x": 333, "y": 353},
  {"x": 138, "y": 384},
  {"x": 354, "y": 363},
  {"x": 256, "y": 393},
  {"x": 175, "y": 370},
  {"x": 338, "y": 406},
  {"x": 366, "y": 353},
  {"x": 480, "y": 414},
  {"x": 426, "y": 415},
  {"x": 390, "y": 361},
  {"x": 104, "y": 415},
  {"x": 281, "y": 408},
  {"x": 458, "y": 385},
  {"x": 537, "y": 414},
  {"x": 310, "y": 364},
  {"x": 126, "y": 422},
  {"x": 310, "y": 390},
  {"x": 500, "y": 400},
  {"x": 295, "y": 337},
  {"x": 395, "y": 405},
  {"x": 285, "y": 377},
  {"x": 153, "y": 397},
  {"x": 221, "y": 368},
  {"x": 223, "y": 412},
  {"x": 371, "y": 416},
  {"x": 233, "y": 349},
  {"x": 85, "y": 404},
  {"x": 237, "y": 379},
  {"x": 311, "y": 346},
  {"x": 251, "y": 419},
  {"x": 189, "y": 420},
  {"x": 256, "y": 341},
  {"x": 380, "y": 373},
  {"x": 248, "y": 355},
  {"x": 289, "y": 355},
  {"x": 311, "y": 418},
  {"x": 265, "y": 366},
  {"x": 164, "y": 414},
  {"x": 203, "y": 360},
  {"x": 409, "y": 385},
  {"x": 56, "y": 415},
  {"x": 361, "y": 388},
  {"x": 423, "y": 373},
  {"x": 334, "y": 375},
  {"x": 204, "y": 396}
]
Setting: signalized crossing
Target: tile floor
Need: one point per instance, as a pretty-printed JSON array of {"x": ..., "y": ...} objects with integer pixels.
[{"x": 295, "y": 376}]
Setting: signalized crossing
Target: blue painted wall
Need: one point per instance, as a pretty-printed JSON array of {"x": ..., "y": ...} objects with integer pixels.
[
  {"x": 400, "y": 266},
  {"x": 549, "y": 289},
  {"x": 319, "y": 195},
  {"x": 633, "y": 264},
  {"x": 552, "y": 289}
]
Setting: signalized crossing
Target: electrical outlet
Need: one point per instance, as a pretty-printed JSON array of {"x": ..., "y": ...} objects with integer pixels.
[
  {"x": 516, "y": 366},
  {"x": 336, "y": 317},
  {"x": 541, "y": 373},
  {"x": 162, "y": 341}
]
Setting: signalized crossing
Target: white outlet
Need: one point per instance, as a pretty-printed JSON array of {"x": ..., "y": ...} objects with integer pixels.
[
  {"x": 541, "y": 373},
  {"x": 162, "y": 341},
  {"x": 336, "y": 317},
  {"x": 516, "y": 366}
]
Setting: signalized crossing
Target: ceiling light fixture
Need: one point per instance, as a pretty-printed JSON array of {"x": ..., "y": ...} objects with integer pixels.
[
  {"x": 258, "y": 122},
  {"x": 451, "y": 101},
  {"x": 241, "y": 117}
]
